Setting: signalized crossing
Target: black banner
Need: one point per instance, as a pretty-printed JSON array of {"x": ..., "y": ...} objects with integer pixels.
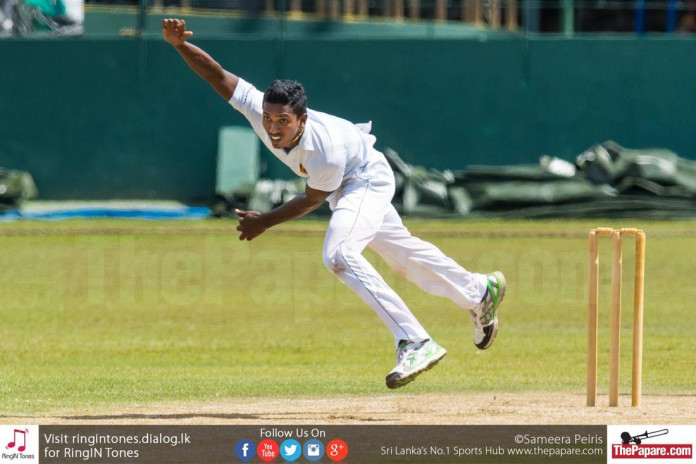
[{"x": 373, "y": 444}]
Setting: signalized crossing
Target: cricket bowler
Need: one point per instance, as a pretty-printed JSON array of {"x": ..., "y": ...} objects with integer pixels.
[{"x": 341, "y": 166}]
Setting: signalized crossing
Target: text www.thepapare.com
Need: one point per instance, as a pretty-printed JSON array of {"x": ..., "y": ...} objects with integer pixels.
[{"x": 652, "y": 451}]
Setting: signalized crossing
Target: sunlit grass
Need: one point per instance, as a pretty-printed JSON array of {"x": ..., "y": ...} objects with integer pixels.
[{"x": 131, "y": 317}]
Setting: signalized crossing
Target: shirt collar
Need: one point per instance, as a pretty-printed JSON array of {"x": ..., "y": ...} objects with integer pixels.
[{"x": 306, "y": 139}]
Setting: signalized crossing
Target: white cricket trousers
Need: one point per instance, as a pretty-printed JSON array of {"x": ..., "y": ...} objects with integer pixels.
[{"x": 364, "y": 216}]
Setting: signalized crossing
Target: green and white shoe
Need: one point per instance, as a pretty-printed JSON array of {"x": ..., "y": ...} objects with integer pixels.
[
  {"x": 485, "y": 315},
  {"x": 413, "y": 358}
]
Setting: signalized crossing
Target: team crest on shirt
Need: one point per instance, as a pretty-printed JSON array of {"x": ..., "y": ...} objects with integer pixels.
[{"x": 303, "y": 170}]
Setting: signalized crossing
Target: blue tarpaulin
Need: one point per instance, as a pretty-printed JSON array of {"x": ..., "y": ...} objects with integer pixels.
[{"x": 147, "y": 212}]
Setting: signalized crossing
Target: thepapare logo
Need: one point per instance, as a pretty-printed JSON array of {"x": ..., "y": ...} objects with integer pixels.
[
  {"x": 20, "y": 443},
  {"x": 627, "y": 438},
  {"x": 662, "y": 445}
]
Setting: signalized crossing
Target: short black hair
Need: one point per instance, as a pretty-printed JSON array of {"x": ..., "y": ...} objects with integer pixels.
[{"x": 287, "y": 92}]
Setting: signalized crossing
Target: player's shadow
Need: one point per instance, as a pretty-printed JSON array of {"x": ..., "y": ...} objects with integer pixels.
[
  {"x": 181, "y": 416},
  {"x": 225, "y": 416}
]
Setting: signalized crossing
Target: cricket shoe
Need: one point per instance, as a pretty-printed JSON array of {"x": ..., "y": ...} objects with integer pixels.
[
  {"x": 485, "y": 314},
  {"x": 413, "y": 358}
]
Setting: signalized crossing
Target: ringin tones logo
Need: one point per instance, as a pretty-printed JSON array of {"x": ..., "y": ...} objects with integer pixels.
[{"x": 20, "y": 442}]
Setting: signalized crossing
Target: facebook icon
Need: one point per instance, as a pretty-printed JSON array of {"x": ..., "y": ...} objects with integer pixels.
[{"x": 245, "y": 450}]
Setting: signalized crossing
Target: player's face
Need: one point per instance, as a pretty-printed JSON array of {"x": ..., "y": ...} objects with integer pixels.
[{"x": 282, "y": 125}]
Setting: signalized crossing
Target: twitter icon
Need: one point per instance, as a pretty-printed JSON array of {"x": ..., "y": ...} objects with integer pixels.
[{"x": 290, "y": 450}]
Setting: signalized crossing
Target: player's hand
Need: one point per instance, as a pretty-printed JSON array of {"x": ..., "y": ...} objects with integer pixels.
[
  {"x": 174, "y": 31},
  {"x": 250, "y": 225}
]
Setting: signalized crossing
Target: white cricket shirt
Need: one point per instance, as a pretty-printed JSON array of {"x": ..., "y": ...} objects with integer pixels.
[{"x": 330, "y": 151}]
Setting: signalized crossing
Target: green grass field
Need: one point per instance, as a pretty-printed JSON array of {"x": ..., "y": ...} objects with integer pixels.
[{"x": 122, "y": 313}]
